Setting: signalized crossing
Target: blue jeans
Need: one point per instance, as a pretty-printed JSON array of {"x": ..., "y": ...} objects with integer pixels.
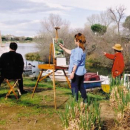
[{"x": 78, "y": 85}]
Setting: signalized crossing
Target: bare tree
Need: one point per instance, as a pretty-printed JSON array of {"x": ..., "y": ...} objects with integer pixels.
[
  {"x": 93, "y": 19},
  {"x": 47, "y": 32},
  {"x": 49, "y": 24},
  {"x": 103, "y": 18},
  {"x": 117, "y": 15},
  {"x": 96, "y": 45}
]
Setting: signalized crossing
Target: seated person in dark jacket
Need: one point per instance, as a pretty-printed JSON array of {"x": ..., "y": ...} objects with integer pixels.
[{"x": 12, "y": 64}]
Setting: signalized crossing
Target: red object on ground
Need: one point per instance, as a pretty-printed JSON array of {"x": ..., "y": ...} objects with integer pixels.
[{"x": 91, "y": 77}]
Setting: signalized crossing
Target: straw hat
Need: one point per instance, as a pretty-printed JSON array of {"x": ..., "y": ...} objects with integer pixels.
[{"x": 118, "y": 47}]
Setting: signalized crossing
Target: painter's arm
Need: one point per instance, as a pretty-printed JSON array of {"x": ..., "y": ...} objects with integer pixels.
[{"x": 65, "y": 49}]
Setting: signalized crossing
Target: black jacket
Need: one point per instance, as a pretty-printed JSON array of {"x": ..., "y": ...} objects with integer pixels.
[{"x": 11, "y": 64}]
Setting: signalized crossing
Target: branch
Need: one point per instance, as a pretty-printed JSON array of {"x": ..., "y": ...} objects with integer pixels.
[
  {"x": 114, "y": 18},
  {"x": 90, "y": 51}
]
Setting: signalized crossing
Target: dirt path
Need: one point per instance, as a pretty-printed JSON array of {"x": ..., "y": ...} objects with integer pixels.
[{"x": 107, "y": 116}]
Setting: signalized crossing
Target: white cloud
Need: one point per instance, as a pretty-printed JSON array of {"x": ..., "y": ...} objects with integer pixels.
[
  {"x": 22, "y": 17},
  {"x": 56, "y": 12},
  {"x": 22, "y": 28},
  {"x": 99, "y": 5},
  {"x": 53, "y": 4},
  {"x": 58, "y": 6}
]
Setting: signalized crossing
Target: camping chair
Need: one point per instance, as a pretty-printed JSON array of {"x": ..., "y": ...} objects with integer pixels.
[{"x": 12, "y": 87}]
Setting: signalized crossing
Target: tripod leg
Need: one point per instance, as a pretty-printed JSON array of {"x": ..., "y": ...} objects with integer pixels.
[
  {"x": 37, "y": 82},
  {"x": 54, "y": 88},
  {"x": 67, "y": 79}
]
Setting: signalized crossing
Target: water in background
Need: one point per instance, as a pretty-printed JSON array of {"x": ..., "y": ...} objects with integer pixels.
[{"x": 24, "y": 48}]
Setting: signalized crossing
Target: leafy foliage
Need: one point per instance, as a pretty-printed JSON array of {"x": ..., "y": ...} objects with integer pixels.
[
  {"x": 28, "y": 39},
  {"x": 126, "y": 24},
  {"x": 32, "y": 56},
  {"x": 98, "y": 28}
]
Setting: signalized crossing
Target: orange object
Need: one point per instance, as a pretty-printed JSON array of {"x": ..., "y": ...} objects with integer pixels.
[
  {"x": 46, "y": 66},
  {"x": 118, "y": 63},
  {"x": 11, "y": 88}
]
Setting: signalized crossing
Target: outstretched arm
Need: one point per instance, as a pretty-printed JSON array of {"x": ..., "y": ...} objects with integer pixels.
[
  {"x": 110, "y": 56},
  {"x": 65, "y": 49}
]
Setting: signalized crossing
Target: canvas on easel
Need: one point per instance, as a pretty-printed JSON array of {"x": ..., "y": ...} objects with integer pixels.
[{"x": 58, "y": 52}]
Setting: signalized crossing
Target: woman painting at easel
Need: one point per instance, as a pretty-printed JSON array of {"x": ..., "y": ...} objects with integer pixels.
[{"x": 77, "y": 66}]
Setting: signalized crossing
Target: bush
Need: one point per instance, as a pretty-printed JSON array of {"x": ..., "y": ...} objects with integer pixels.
[
  {"x": 33, "y": 56},
  {"x": 28, "y": 39},
  {"x": 98, "y": 28}
]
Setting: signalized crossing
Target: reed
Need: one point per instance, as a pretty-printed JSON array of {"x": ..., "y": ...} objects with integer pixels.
[
  {"x": 80, "y": 116},
  {"x": 120, "y": 97}
]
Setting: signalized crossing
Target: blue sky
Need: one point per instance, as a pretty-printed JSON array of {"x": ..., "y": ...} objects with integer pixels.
[{"x": 23, "y": 17}]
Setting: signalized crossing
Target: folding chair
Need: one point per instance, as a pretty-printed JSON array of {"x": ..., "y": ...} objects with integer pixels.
[{"x": 12, "y": 87}]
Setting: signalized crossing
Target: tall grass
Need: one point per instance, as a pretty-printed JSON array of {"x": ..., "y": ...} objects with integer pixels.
[
  {"x": 120, "y": 95},
  {"x": 81, "y": 116}
]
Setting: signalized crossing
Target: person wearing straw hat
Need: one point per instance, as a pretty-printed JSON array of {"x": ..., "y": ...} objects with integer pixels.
[{"x": 118, "y": 60}]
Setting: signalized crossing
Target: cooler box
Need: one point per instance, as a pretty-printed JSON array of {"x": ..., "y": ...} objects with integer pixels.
[
  {"x": 91, "y": 77},
  {"x": 93, "y": 80}
]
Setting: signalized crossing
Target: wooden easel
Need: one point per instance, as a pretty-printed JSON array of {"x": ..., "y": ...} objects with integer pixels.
[{"x": 52, "y": 67}]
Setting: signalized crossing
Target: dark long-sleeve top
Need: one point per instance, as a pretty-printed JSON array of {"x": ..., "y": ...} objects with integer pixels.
[{"x": 11, "y": 64}]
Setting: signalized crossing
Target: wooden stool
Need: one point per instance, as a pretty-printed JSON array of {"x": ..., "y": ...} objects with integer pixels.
[{"x": 12, "y": 87}]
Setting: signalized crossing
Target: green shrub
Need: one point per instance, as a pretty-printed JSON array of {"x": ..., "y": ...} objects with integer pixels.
[
  {"x": 98, "y": 28},
  {"x": 33, "y": 56}
]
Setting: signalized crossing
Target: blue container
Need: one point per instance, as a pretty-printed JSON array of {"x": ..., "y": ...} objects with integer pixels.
[{"x": 92, "y": 85}]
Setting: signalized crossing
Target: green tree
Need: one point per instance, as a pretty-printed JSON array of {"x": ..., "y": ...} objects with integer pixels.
[
  {"x": 4, "y": 38},
  {"x": 98, "y": 28},
  {"x": 28, "y": 39},
  {"x": 126, "y": 24}
]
